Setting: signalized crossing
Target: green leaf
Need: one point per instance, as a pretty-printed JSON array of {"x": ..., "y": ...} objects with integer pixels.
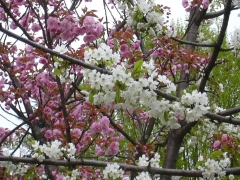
[
  {"x": 108, "y": 63},
  {"x": 166, "y": 116},
  {"x": 142, "y": 71},
  {"x": 118, "y": 95},
  {"x": 29, "y": 175},
  {"x": 139, "y": 16},
  {"x": 138, "y": 66},
  {"x": 216, "y": 154},
  {"x": 91, "y": 98},
  {"x": 199, "y": 163},
  {"x": 57, "y": 72},
  {"x": 85, "y": 87},
  {"x": 55, "y": 58}
]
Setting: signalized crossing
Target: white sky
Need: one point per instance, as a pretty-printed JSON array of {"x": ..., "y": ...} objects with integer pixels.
[{"x": 177, "y": 11}]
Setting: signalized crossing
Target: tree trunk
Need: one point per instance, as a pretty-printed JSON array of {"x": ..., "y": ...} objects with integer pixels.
[{"x": 174, "y": 140}]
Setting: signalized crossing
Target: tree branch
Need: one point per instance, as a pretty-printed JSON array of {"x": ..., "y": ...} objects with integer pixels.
[
  {"x": 224, "y": 119},
  {"x": 193, "y": 43},
  {"x": 125, "y": 167},
  {"x": 217, "y": 48},
  {"x": 218, "y": 13},
  {"x": 230, "y": 112},
  {"x": 52, "y": 52},
  {"x": 14, "y": 20}
]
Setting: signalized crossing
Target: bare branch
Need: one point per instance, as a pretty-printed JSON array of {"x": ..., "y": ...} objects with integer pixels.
[{"x": 193, "y": 43}]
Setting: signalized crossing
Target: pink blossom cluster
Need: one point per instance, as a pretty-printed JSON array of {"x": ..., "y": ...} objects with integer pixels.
[
  {"x": 3, "y": 133},
  {"x": 2, "y": 83},
  {"x": 2, "y": 14},
  {"x": 224, "y": 140},
  {"x": 190, "y": 4},
  {"x": 103, "y": 127},
  {"x": 127, "y": 50},
  {"x": 68, "y": 28},
  {"x": 169, "y": 60},
  {"x": 86, "y": 173}
]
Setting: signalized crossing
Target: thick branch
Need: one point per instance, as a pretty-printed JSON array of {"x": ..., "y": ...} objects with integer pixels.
[
  {"x": 230, "y": 112},
  {"x": 166, "y": 95},
  {"x": 126, "y": 167},
  {"x": 224, "y": 119},
  {"x": 218, "y": 13}
]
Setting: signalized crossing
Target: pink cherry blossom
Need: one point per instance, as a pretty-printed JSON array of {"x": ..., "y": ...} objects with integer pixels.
[
  {"x": 47, "y": 110},
  {"x": 53, "y": 24},
  {"x": 2, "y": 82},
  {"x": 43, "y": 60},
  {"x": 105, "y": 122},
  {"x": 217, "y": 144},
  {"x": 98, "y": 29},
  {"x": 109, "y": 132},
  {"x": 113, "y": 148},
  {"x": 36, "y": 27},
  {"x": 99, "y": 151},
  {"x": 89, "y": 22},
  {"x": 96, "y": 128},
  {"x": 89, "y": 38},
  {"x": 76, "y": 132},
  {"x": 13, "y": 26},
  {"x": 225, "y": 138},
  {"x": 124, "y": 48},
  {"x": 57, "y": 133},
  {"x": 205, "y": 4},
  {"x": 19, "y": 2},
  {"x": 48, "y": 134},
  {"x": 185, "y": 3}
]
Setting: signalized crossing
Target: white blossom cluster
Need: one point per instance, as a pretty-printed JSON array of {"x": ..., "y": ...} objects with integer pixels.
[
  {"x": 14, "y": 168},
  {"x": 53, "y": 150},
  {"x": 213, "y": 167},
  {"x": 141, "y": 93},
  {"x": 113, "y": 171},
  {"x": 154, "y": 162},
  {"x": 172, "y": 120},
  {"x": 65, "y": 76},
  {"x": 143, "y": 176},
  {"x": 144, "y": 17},
  {"x": 235, "y": 39},
  {"x": 202, "y": 39},
  {"x": 199, "y": 105},
  {"x": 100, "y": 55},
  {"x": 133, "y": 92}
]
